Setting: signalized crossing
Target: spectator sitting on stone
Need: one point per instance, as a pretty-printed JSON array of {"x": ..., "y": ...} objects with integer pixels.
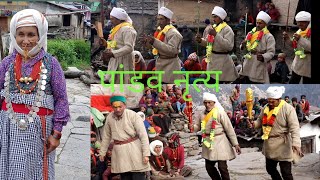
[
  {"x": 161, "y": 167},
  {"x": 281, "y": 71},
  {"x": 139, "y": 63},
  {"x": 181, "y": 103},
  {"x": 273, "y": 13},
  {"x": 287, "y": 99},
  {"x": 149, "y": 104},
  {"x": 175, "y": 153},
  {"x": 143, "y": 108}
]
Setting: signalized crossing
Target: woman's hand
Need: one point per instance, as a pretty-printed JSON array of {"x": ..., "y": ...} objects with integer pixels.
[{"x": 52, "y": 144}]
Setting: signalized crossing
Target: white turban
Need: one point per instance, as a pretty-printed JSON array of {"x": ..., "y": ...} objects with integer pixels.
[
  {"x": 303, "y": 16},
  {"x": 212, "y": 97},
  {"x": 29, "y": 17},
  {"x": 120, "y": 14},
  {"x": 166, "y": 12},
  {"x": 263, "y": 16},
  {"x": 155, "y": 143},
  {"x": 219, "y": 11},
  {"x": 275, "y": 92}
]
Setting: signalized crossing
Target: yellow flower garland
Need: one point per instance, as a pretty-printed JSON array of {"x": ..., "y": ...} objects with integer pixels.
[
  {"x": 162, "y": 32},
  {"x": 112, "y": 44},
  {"x": 266, "y": 128},
  {"x": 208, "y": 141},
  {"x": 210, "y": 40}
]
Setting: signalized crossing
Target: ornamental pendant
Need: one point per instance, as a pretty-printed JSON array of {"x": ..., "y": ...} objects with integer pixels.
[{"x": 22, "y": 124}]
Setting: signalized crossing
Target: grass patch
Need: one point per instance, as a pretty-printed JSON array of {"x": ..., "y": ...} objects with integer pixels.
[{"x": 72, "y": 52}]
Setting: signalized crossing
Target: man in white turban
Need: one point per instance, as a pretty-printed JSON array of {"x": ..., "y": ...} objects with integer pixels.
[
  {"x": 301, "y": 43},
  {"x": 120, "y": 45},
  {"x": 260, "y": 47},
  {"x": 166, "y": 44},
  {"x": 218, "y": 137},
  {"x": 281, "y": 133},
  {"x": 219, "y": 43}
]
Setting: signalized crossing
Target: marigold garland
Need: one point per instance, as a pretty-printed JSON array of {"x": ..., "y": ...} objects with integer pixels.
[
  {"x": 160, "y": 35},
  {"x": 300, "y": 51},
  {"x": 256, "y": 40},
  {"x": 209, "y": 142},
  {"x": 210, "y": 40},
  {"x": 111, "y": 43},
  {"x": 269, "y": 118}
]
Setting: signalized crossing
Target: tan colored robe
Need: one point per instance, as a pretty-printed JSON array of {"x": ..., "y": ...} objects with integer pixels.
[
  {"x": 123, "y": 53},
  {"x": 223, "y": 42},
  {"x": 257, "y": 71},
  {"x": 127, "y": 157},
  {"x": 170, "y": 49},
  {"x": 222, "y": 146},
  {"x": 302, "y": 67},
  {"x": 280, "y": 148}
]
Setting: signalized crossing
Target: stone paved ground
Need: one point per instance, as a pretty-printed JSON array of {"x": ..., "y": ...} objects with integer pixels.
[
  {"x": 73, "y": 156},
  {"x": 250, "y": 165}
]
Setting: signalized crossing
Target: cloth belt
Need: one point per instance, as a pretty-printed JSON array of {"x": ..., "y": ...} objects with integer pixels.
[
  {"x": 280, "y": 135},
  {"x": 215, "y": 52},
  {"x": 25, "y": 109},
  {"x": 116, "y": 142}
]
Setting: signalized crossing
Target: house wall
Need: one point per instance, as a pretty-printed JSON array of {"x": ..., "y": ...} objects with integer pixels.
[
  {"x": 309, "y": 130},
  {"x": 44, "y": 7},
  {"x": 188, "y": 11},
  {"x": 282, "y": 6}
]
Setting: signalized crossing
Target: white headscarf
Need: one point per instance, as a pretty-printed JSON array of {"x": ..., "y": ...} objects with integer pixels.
[
  {"x": 263, "y": 16},
  {"x": 219, "y": 11},
  {"x": 303, "y": 16},
  {"x": 275, "y": 92},
  {"x": 140, "y": 56},
  {"x": 165, "y": 12},
  {"x": 121, "y": 14},
  {"x": 29, "y": 17},
  {"x": 211, "y": 97},
  {"x": 155, "y": 143}
]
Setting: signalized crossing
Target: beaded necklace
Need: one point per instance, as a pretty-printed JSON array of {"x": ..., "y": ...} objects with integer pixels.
[{"x": 34, "y": 109}]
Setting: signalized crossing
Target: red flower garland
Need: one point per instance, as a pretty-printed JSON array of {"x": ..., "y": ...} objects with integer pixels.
[
  {"x": 210, "y": 39},
  {"x": 213, "y": 126},
  {"x": 156, "y": 35},
  {"x": 295, "y": 43},
  {"x": 268, "y": 122},
  {"x": 249, "y": 36}
]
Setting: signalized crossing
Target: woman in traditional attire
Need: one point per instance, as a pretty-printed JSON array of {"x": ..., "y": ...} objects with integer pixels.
[
  {"x": 161, "y": 167},
  {"x": 33, "y": 101},
  {"x": 175, "y": 153}
]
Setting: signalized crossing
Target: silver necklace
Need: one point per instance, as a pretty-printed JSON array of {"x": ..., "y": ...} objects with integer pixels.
[{"x": 34, "y": 109}]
